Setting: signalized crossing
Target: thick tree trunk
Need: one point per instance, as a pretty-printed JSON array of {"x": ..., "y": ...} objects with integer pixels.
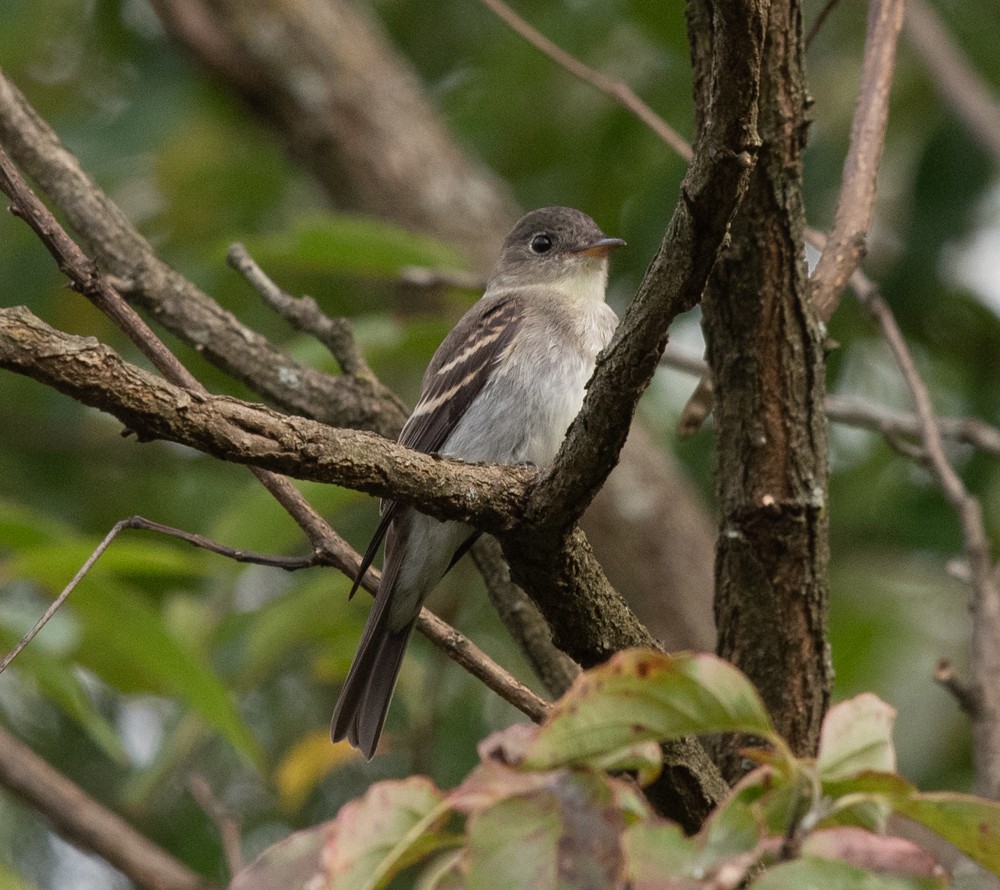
[{"x": 766, "y": 354}]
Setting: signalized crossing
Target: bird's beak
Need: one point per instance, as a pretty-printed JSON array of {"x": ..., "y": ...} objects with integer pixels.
[{"x": 600, "y": 248}]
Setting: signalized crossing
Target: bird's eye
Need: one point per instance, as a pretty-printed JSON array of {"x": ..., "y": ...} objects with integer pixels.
[{"x": 541, "y": 244}]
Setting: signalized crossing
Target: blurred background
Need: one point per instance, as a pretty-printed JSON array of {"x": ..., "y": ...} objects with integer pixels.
[{"x": 170, "y": 663}]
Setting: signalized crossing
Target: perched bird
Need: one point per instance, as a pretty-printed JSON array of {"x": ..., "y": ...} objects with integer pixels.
[{"x": 503, "y": 387}]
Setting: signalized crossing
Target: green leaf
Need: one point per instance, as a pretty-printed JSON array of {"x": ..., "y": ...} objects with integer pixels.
[
  {"x": 970, "y": 823},
  {"x": 640, "y": 695},
  {"x": 354, "y": 245},
  {"x": 126, "y": 643},
  {"x": 829, "y": 874},
  {"x": 856, "y": 736},
  {"x": 516, "y": 824},
  {"x": 393, "y": 826},
  {"x": 564, "y": 832},
  {"x": 656, "y": 852},
  {"x": 372, "y": 839}
]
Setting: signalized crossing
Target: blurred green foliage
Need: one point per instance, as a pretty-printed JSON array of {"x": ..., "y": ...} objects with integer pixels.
[{"x": 168, "y": 661}]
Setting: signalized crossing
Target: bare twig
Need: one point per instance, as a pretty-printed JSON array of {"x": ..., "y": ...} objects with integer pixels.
[
  {"x": 985, "y": 644},
  {"x": 88, "y": 824},
  {"x": 615, "y": 89},
  {"x": 963, "y": 89},
  {"x": 306, "y": 316},
  {"x": 862, "y": 414},
  {"x": 817, "y": 25},
  {"x": 846, "y": 243},
  {"x": 229, "y": 827},
  {"x": 59, "y": 600},
  {"x": 289, "y": 563},
  {"x": 947, "y": 676},
  {"x": 966, "y": 430}
]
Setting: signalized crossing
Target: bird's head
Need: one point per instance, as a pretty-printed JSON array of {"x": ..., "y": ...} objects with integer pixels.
[{"x": 559, "y": 248}]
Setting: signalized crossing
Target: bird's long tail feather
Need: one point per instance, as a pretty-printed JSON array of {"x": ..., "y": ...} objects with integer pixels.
[{"x": 366, "y": 693}]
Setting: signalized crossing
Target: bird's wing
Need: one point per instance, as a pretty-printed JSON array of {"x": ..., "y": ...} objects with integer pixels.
[{"x": 461, "y": 367}]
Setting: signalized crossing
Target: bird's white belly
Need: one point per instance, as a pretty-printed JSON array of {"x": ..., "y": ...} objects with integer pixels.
[{"x": 522, "y": 414}]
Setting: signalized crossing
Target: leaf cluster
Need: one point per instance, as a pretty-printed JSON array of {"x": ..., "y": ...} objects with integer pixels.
[{"x": 559, "y": 805}]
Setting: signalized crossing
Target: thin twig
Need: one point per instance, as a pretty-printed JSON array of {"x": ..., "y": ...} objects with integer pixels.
[
  {"x": 855, "y": 201},
  {"x": 817, "y": 25},
  {"x": 289, "y": 563},
  {"x": 229, "y": 827},
  {"x": 616, "y": 89},
  {"x": 862, "y": 414},
  {"x": 304, "y": 314},
  {"x": 985, "y": 644},
  {"x": 59, "y": 600}
]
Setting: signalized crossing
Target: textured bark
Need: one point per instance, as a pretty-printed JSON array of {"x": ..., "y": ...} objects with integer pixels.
[
  {"x": 765, "y": 351},
  {"x": 171, "y": 299},
  {"x": 242, "y": 432}
]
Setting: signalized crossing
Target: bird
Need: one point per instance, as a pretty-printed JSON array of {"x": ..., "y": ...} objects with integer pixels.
[{"x": 503, "y": 387}]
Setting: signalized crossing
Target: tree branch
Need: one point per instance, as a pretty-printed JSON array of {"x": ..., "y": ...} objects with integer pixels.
[
  {"x": 984, "y": 691},
  {"x": 174, "y": 301},
  {"x": 489, "y": 497},
  {"x": 88, "y": 824},
  {"x": 845, "y": 244},
  {"x": 861, "y": 414},
  {"x": 963, "y": 89},
  {"x": 305, "y": 315},
  {"x": 611, "y": 87},
  {"x": 710, "y": 195}
]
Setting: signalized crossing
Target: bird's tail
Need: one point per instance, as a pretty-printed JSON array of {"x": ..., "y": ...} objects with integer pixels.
[{"x": 366, "y": 693}]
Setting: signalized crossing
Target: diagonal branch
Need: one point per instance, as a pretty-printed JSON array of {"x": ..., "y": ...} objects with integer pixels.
[
  {"x": 845, "y": 245},
  {"x": 174, "y": 301},
  {"x": 985, "y": 662},
  {"x": 88, "y": 824},
  {"x": 612, "y": 87}
]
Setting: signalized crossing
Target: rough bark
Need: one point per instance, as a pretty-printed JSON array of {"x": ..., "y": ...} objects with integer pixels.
[
  {"x": 766, "y": 354},
  {"x": 172, "y": 300}
]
